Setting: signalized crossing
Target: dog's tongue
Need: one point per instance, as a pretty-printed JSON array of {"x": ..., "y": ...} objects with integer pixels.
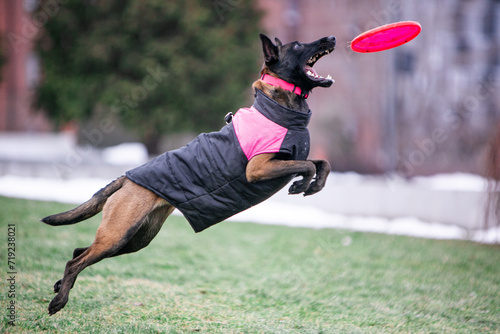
[
  {"x": 311, "y": 70},
  {"x": 313, "y": 74}
]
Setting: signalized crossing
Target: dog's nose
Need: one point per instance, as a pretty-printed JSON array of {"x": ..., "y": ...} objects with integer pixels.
[{"x": 329, "y": 39}]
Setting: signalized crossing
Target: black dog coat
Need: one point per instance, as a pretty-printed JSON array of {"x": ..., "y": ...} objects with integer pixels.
[{"x": 206, "y": 179}]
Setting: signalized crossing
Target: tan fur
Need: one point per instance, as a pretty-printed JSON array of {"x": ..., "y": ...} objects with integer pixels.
[
  {"x": 268, "y": 166},
  {"x": 280, "y": 95}
]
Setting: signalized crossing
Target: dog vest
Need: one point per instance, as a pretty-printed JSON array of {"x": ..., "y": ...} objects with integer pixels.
[{"x": 206, "y": 179}]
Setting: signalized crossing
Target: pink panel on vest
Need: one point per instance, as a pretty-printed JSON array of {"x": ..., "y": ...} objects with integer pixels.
[{"x": 256, "y": 133}]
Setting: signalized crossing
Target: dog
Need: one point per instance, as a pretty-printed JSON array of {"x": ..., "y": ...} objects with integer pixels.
[{"x": 218, "y": 174}]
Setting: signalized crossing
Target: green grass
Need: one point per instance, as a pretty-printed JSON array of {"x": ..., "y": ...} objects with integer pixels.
[{"x": 248, "y": 278}]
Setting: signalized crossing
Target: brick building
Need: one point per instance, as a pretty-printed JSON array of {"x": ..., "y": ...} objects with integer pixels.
[{"x": 20, "y": 72}]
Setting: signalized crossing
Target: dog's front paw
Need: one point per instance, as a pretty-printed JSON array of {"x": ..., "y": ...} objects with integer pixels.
[
  {"x": 298, "y": 187},
  {"x": 322, "y": 171},
  {"x": 314, "y": 187}
]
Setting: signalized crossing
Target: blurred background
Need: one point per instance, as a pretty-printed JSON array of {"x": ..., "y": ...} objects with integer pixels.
[{"x": 409, "y": 131}]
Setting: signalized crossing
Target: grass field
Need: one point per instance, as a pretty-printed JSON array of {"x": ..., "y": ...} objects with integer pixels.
[{"x": 249, "y": 278}]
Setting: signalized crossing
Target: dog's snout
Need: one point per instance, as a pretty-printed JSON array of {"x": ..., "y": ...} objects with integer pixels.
[{"x": 329, "y": 40}]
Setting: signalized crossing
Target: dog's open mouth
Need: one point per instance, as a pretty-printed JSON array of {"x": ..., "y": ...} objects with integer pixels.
[{"x": 311, "y": 72}]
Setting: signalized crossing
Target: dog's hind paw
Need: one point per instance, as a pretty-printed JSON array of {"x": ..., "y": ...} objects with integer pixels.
[
  {"x": 57, "y": 304},
  {"x": 57, "y": 286}
]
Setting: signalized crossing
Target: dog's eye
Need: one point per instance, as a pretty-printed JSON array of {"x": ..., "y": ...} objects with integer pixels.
[{"x": 297, "y": 46}]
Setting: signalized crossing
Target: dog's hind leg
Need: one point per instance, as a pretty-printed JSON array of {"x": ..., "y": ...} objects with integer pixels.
[
  {"x": 77, "y": 252},
  {"x": 147, "y": 231},
  {"x": 125, "y": 216}
]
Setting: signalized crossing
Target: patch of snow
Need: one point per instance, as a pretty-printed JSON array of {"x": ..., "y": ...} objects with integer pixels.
[
  {"x": 453, "y": 182},
  {"x": 35, "y": 147},
  {"x": 50, "y": 147},
  {"x": 73, "y": 191},
  {"x": 125, "y": 154},
  {"x": 279, "y": 213},
  {"x": 489, "y": 236}
]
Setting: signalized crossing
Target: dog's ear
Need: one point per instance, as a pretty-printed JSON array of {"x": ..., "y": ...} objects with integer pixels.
[
  {"x": 271, "y": 55},
  {"x": 278, "y": 42}
]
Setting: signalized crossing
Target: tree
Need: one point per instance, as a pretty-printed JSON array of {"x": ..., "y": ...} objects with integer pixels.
[{"x": 159, "y": 66}]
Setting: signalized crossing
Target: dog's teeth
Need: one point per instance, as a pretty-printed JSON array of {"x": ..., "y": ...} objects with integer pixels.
[{"x": 329, "y": 76}]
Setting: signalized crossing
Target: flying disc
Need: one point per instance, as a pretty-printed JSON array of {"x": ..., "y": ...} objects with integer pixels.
[{"x": 386, "y": 37}]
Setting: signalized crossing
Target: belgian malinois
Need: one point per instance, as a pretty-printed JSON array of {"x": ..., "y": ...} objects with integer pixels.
[{"x": 218, "y": 174}]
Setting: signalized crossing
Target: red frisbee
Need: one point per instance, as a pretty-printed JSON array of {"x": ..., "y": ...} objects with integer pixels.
[{"x": 386, "y": 37}]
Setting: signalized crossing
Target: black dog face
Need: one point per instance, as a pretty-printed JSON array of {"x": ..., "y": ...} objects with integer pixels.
[{"x": 293, "y": 62}]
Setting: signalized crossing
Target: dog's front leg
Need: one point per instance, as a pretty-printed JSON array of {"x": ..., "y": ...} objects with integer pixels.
[
  {"x": 267, "y": 166},
  {"x": 323, "y": 169}
]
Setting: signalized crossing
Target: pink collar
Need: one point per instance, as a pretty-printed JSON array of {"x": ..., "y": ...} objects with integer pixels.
[{"x": 273, "y": 81}]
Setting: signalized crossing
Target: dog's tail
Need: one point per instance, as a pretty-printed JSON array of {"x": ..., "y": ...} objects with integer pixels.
[{"x": 88, "y": 209}]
